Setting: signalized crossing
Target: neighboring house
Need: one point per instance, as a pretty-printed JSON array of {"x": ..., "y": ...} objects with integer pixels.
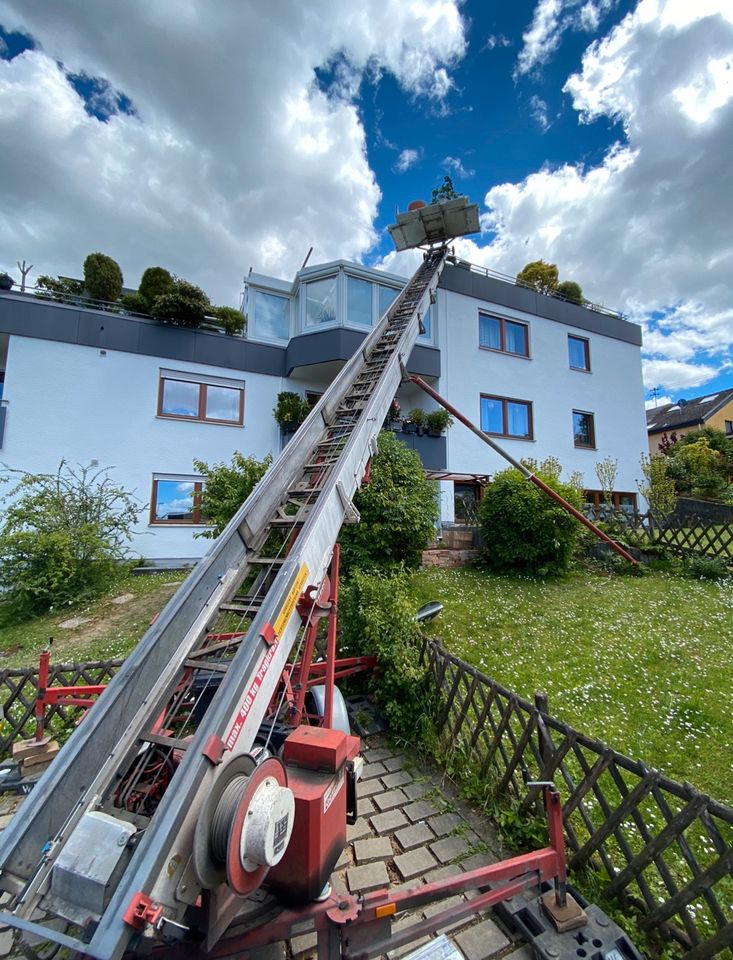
[
  {"x": 544, "y": 376},
  {"x": 685, "y": 416}
]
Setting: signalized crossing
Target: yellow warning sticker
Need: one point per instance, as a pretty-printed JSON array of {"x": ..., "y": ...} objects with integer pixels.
[{"x": 291, "y": 600}]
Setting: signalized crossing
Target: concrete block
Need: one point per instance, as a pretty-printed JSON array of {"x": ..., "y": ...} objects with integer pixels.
[
  {"x": 394, "y": 763},
  {"x": 367, "y": 788},
  {"x": 420, "y": 810},
  {"x": 371, "y": 876},
  {"x": 414, "y": 863},
  {"x": 358, "y": 830},
  {"x": 441, "y": 905},
  {"x": 449, "y": 848},
  {"x": 345, "y": 859},
  {"x": 305, "y": 944},
  {"x": 366, "y": 807},
  {"x": 376, "y": 755},
  {"x": 377, "y": 848},
  {"x": 397, "y": 779},
  {"x": 416, "y": 789},
  {"x": 388, "y": 822},
  {"x": 415, "y": 836},
  {"x": 408, "y": 947},
  {"x": 477, "y": 860},
  {"x": 524, "y": 953},
  {"x": 445, "y": 823},
  {"x": 481, "y": 941},
  {"x": 373, "y": 770},
  {"x": 389, "y": 800}
]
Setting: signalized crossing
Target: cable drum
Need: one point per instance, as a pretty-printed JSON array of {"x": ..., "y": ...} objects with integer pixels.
[{"x": 221, "y": 823}]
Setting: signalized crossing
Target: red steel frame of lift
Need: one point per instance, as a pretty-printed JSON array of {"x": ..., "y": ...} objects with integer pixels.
[
  {"x": 360, "y": 927},
  {"x": 528, "y": 475}
]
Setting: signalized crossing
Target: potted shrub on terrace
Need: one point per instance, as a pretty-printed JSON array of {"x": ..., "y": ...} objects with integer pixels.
[
  {"x": 290, "y": 410},
  {"x": 392, "y": 421},
  {"x": 416, "y": 421},
  {"x": 438, "y": 422}
]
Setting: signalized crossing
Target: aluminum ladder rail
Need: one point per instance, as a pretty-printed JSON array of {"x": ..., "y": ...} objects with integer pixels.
[{"x": 316, "y": 475}]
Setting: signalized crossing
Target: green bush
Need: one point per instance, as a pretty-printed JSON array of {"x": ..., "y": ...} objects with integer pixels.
[
  {"x": 102, "y": 277},
  {"x": 398, "y": 507},
  {"x": 154, "y": 283},
  {"x": 63, "y": 537},
  {"x": 290, "y": 408},
  {"x": 706, "y": 568},
  {"x": 418, "y": 417},
  {"x": 438, "y": 420},
  {"x": 58, "y": 288},
  {"x": 524, "y": 529},
  {"x": 570, "y": 290},
  {"x": 185, "y": 305},
  {"x": 376, "y": 617},
  {"x": 134, "y": 303},
  {"x": 226, "y": 487},
  {"x": 233, "y": 321}
]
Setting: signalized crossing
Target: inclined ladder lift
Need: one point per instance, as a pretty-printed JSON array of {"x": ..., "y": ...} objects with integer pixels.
[{"x": 219, "y": 757}]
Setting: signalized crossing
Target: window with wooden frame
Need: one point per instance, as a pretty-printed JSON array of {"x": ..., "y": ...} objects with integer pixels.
[
  {"x": 506, "y": 417},
  {"x": 502, "y": 335},
  {"x": 176, "y": 500},
  {"x": 579, "y": 353},
  {"x": 621, "y": 501},
  {"x": 191, "y": 396},
  {"x": 584, "y": 429}
]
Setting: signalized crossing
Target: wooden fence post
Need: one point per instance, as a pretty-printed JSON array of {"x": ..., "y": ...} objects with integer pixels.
[{"x": 543, "y": 706}]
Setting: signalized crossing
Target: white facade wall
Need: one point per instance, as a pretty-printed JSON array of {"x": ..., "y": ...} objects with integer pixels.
[
  {"x": 612, "y": 391},
  {"x": 82, "y": 404}
]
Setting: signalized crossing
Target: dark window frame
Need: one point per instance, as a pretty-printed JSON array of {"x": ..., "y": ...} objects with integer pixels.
[
  {"x": 596, "y": 499},
  {"x": 502, "y": 335},
  {"x": 586, "y": 348},
  {"x": 200, "y": 415},
  {"x": 592, "y": 444},
  {"x": 198, "y": 489},
  {"x": 505, "y": 418}
]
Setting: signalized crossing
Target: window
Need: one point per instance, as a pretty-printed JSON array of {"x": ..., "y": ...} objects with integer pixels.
[
  {"x": 271, "y": 317},
  {"x": 190, "y": 396},
  {"x": 506, "y": 418},
  {"x": 584, "y": 432},
  {"x": 320, "y": 301},
  {"x": 387, "y": 296},
  {"x": 176, "y": 499},
  {"x": 579, "y": 353},
  {"x": 729, "y": 428},
  {"x": 595, "y": 503},
  {"x": 359, "y": 301},
  {"x": 427, "y": 325},
  {"x": 506, "y": 336},
  {"x": 466, "y": 499}
]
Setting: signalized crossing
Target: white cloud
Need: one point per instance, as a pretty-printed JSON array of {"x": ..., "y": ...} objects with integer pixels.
[
  {"x": 647, "y": 230},
  {"x": 234, "y": 155},
  {"x": 551, "y": 19},
  {"x": 653, "y": 402},
  {"x": 456, "y": 165},
  {"x": 495, "y": 40},
  {"x": 538, "y": 111},
  {"x": 407, "y": 158}
]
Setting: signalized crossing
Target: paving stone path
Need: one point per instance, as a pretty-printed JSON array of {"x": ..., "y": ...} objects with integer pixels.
[{"x": 412, "y": 829}]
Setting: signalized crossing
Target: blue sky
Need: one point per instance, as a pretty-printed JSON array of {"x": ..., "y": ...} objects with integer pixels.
[{"x": 595, "y": 134}]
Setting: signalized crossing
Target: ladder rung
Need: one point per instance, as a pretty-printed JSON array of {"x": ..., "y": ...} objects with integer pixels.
[
  {"x": 206, "y": 665},
  {"x": 162, "y": 741}
]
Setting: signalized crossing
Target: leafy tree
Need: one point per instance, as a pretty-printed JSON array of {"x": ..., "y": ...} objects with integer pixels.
[
  {"x": 134, "y": 303},
  {"x": 62, "y": 537},
  {"x": 607, "y": 473},
  {"x": 570, "y": 290},
  {"x": 398, "y": 507},
  {"x": 446, "y": 191},
  {"x": 697, "y": 468},
  {"x": 102, "y": 277},
  {"x": 233, "y": 321},
  {"x": 185, "y": 304},
  {"x": 58, "y": 288},
  {"x": 523, "y": 528},
  {"x": 226, "y": 487},
  {"x": 657, "y": 487},
  {"x": 540, "y": 276},
  {"x": 154, "y": 282}
]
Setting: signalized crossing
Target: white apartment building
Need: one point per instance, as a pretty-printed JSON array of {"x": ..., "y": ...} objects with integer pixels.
[{"x": 544, "y": 376}]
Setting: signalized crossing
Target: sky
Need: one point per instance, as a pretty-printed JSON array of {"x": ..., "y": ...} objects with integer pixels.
[{"x": 215, "y": 138}]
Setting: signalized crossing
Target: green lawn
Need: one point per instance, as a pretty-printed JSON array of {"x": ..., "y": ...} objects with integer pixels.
[{"x": 644, "y": 664}]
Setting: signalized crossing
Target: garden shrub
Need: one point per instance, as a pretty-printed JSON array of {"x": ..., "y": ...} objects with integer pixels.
[
  {"x": 63, "y": 537},
  {"x": 226, "y": 487},
  {"x": 185, "y": 305},
  {"x": 134, "y": 303},
  {"x": 570, "y": 290},
  {"x": 376, "y": 617},
  {"x": 524, "y": 529},
  {"x": 58, "y": 288},
  {"x": 154, "y": 283},
  {"x": 398, "y": 507},
  {"x": 102, "y": 277},
  {"x": 706, "y": 568}
]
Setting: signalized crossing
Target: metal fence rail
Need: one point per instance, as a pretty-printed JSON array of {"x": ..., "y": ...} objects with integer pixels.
[
  {"x": 19, "y": 690},
  {"x": 662, "y": 844}
]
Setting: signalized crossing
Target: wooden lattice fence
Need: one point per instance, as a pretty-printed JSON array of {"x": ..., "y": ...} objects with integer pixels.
[
  {"x": 686, "y": 535},
  {"x": 660, "y": 844},
  {"x": 19, "y": 689}
]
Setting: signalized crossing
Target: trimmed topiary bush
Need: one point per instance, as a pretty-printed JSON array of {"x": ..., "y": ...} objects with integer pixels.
[
  {"x": 102, "y": 278},
  {"x": 570, "y": 290},
  {"x": 154, "y": 283},
  {"x": 186, "y": 305},
  {"x": 524, "y": 529},
  {"x": 134, "y": 303}
]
